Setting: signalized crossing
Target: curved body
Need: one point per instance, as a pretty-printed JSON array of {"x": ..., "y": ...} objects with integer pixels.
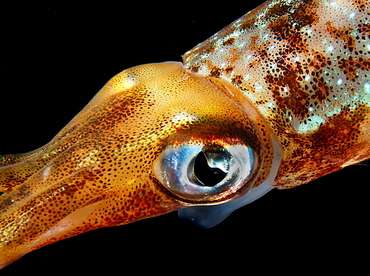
[{"x": 277, "y": 99}]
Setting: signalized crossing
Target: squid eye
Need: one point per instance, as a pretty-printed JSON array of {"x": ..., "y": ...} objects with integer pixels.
[
  {"x": 205, "y": 173},
  {"x": 211, "y": 167}
]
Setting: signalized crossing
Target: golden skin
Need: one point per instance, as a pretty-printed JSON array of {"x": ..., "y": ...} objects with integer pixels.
[
  {"x": 98, "y": 171},
  {"x": 105, "y": 168}
]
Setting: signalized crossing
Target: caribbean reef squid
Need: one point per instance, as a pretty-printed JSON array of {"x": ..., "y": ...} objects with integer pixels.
[{"x": 277, "y": 99}]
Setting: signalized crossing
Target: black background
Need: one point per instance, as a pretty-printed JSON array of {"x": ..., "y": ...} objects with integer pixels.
[{"x": 55, "y": 57}]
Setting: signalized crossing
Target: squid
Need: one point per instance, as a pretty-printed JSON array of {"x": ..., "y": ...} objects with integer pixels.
[{"x": 277, "y": 99}]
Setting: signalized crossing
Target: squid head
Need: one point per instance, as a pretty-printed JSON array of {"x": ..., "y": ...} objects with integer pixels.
[{"x": 155, "y": 139}]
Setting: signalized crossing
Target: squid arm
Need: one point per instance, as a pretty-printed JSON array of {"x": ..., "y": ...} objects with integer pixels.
[{"x": 278, "y": 98}]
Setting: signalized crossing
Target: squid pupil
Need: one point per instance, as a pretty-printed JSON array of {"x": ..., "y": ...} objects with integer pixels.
[{"x": 206, "y": 175}]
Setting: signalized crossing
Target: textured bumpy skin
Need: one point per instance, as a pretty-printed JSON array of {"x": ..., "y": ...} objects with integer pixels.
[
  {"x": 290, "y": 75},
  {"x": 305, "y": 66}
]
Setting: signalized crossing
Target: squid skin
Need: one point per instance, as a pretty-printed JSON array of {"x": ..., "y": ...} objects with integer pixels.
[{"x": 100, "y": 170}]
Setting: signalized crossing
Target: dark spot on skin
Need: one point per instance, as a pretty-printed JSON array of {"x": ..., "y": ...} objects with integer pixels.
[
  {"x": 229, "y": 41},
  {"x": 215, "y": 72},
  {"x": 194, "y": 69},
  {"x": 238, "y": 79},
  {"x": 228, "y": 70}
]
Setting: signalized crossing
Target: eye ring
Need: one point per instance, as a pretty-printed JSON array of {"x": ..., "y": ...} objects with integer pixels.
[{"x": 200, "y": 173}]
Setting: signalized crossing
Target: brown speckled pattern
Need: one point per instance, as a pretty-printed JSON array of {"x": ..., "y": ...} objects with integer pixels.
[
  {"x": 296, "y": 72},
  {"x": 98, "y": 171},
  {"x": 305, "y": 66}
]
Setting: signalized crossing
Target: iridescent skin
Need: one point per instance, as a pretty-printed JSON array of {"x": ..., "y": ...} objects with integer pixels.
[
  {"x": 290, "y": 72},
  {"x": 304, "y": 64}
]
